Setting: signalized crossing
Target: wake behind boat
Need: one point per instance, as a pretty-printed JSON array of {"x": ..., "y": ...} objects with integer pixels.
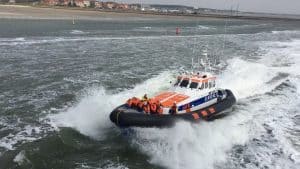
[{"x": 193, "y": 97}]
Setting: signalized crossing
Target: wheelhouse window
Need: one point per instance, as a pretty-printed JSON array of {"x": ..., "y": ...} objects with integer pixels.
[
  {"x": 184, "y": 83},
  {"x": 194, "y": 85},
  {"x": 177, "y": 82},
  {"x": 210, "y": 84},
  {"x": 206, "y": 85},
  {"x": 201, "y": 86}
]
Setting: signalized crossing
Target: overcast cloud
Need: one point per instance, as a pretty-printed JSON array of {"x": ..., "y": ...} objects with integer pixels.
[{"x": 268, "y": 6}]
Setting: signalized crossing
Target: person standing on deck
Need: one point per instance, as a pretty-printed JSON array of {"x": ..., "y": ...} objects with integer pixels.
[
  {"x": 145, "y": 98},
  {"x": 173, "y": 109}
]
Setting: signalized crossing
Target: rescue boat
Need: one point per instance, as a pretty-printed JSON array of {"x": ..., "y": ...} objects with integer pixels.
[{"x": 193, "y": 97}]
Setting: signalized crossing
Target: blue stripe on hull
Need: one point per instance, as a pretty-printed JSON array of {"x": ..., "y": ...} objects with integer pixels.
[{"x": 198, "y": 101}]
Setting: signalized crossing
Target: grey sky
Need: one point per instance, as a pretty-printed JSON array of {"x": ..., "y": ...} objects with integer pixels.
[{"x": 268, "y": 6}]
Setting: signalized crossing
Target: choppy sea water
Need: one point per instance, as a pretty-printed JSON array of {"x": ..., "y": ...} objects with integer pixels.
[{"x": 59, "y": 82}]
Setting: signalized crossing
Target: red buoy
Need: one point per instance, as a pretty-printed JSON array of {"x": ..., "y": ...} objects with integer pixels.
[{"x": 177, "y": 31}]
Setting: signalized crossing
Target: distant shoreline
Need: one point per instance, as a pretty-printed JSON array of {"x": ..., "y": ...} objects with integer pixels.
[
  {"x": 56, "y": 12},
  {"x": 218, "y": 16}
]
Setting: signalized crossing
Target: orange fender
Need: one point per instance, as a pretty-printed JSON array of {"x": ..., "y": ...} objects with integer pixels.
[
  {"x": 129, "y": 102},
  {"x": 153, "y": 108},
  {"x": 135, "y": 101}
]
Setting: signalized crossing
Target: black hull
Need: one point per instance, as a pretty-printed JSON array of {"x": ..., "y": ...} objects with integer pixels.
[{"x": 123, "y": 116}]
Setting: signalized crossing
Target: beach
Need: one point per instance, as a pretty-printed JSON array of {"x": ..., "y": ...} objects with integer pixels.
[
  {"x": 29, "y": 12},
  {"x": 65, "y": 13}
]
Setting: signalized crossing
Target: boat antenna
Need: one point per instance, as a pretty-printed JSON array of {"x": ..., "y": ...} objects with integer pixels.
[
  {"x": 237, "y": 9},
  {"x": 192, "y": 64},
  {"x": 227, "y": 19},
  {"x": 224, "y": 37},
  {"x": 73, "y": 20}
]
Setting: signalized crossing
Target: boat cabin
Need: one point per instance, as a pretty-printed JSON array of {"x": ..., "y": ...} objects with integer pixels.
[{"x": 199, "y": 82}]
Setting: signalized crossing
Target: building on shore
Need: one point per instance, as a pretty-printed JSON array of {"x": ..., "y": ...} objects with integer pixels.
[
  {"x": 98, "y": 4},
  {"x": 55, "y": 2},
  {"x": 74, "y": 3},
  {"x": 115, "y": 5},
  {"x": 87, "y": 3},
  {"x": 18, "y": 1},
  {"x": 135, "y": 6}
]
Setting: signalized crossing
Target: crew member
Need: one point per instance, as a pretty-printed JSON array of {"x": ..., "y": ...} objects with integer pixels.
[
  {"x": 145, "y": 98},
  {"x": 135, "y": 101},
  {"x": 153, "y": 106},
  {"x": 146, "y": 108},
  {"x": 173, "y": 109},
  {"x": 159, "y": 108}
]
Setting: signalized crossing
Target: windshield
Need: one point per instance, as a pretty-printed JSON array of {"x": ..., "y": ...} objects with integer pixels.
[
  {"x": 202, "y": 86},
  {"x": 193, "y": 85},
  {"x": 177, "y": 82},
  {"x": 184, "y": 83}
]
